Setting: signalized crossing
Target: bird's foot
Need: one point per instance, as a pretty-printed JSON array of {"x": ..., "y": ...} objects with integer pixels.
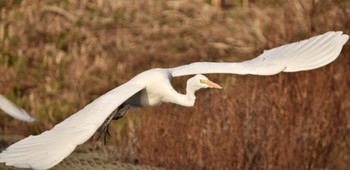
[
  {"x": 116, "y": 114},
  {"x": 105, "y": 128},
  {"x": 105, "y": 132}
]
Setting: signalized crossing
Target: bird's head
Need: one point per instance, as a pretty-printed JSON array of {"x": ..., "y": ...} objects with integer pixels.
[{"x": 200, "y": 81}]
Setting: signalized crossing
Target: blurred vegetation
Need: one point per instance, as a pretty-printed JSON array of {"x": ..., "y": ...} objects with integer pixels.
[{"x": 57, "y": 56}]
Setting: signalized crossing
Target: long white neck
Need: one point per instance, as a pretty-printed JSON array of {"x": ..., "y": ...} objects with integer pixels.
[
  {"x": 187, "y": 99},
  {"x": 190, "y": 94}
]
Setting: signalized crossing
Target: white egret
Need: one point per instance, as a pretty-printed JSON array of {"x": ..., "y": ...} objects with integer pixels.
[
  {"x": 8, "y": 107},
  {"x": 152, "y": 87}
]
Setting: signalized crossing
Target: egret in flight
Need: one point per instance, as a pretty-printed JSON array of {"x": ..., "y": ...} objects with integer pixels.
[
  {"x": 8, "y": 107},
  {"x": 153, "y": 87}
]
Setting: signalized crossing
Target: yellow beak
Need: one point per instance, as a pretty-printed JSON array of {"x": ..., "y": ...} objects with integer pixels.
[{"x": 212, "y": 84}]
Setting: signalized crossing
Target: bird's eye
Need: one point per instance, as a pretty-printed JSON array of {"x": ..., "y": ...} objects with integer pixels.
[{"x": 203, "y": 81}]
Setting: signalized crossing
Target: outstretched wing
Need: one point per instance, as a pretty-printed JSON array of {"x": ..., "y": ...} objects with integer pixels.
[
  {"x": 8, "y": 107},
  {"x": 51, "y": 147},
  {"x": 304, "y": 55}
]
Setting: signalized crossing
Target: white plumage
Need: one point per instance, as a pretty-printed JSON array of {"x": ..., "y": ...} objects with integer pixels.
[
  {"x": 8, "y": 107},
  {"x": 153, "y": 87}
]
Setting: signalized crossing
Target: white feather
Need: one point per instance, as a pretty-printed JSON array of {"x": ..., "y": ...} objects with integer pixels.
[
  {"x": 51, "y": 147},
  {"x": 8, "y": 107},
  {"x": 299, "y": 56}
]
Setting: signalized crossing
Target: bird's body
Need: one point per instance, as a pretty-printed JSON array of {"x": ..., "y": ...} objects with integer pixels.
[
  {"x": 153, "y": 87},
  {"x": 151, "y": 95}
]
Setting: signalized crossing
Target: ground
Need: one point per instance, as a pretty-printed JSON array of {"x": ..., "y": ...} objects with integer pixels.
[{"x": 88, "y": 156}]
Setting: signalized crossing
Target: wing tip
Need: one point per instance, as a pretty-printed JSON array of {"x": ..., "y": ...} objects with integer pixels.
[
  {"x": 27, "y": 117},
  {"x": 42, "y": 156},
  {"x": 16, "y": 112},
  {"x": 343, "y": 38}
]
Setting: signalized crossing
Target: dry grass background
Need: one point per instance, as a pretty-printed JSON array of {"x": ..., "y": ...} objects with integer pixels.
[{"x": 57, "y": 56}]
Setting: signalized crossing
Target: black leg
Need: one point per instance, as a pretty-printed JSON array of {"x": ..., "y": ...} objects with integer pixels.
[
  {"x": 116, "y": 114},
  {"x": 105, "y": 126},
  {"x": 121, "y": 112}
]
